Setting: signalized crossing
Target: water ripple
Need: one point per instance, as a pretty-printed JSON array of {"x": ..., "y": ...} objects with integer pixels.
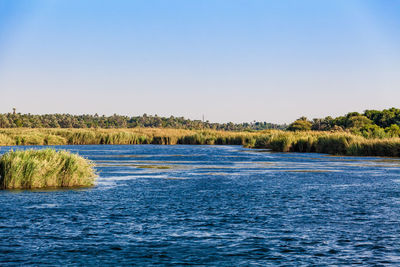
[{"x": 209, "y": 205}]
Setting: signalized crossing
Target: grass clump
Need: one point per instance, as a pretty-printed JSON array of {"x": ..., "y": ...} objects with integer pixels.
[
  {"x": 47, "y": 168},
  {"x": 6, "y": 140}
]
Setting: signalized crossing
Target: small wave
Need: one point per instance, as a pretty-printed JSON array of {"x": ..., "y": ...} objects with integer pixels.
[
  {"x": 43, "y": 206},
  {"x": 133, "y": 177}
]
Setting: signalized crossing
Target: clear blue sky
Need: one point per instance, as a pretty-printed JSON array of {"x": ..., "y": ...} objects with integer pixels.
[{"x": 229, "y": 60}]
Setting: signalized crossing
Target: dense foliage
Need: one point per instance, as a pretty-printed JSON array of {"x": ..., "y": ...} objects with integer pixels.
[
  {"x": 301, "y": 124},
  {"x": 18, "y": 120},
  {"x": 370, "y": 124}
]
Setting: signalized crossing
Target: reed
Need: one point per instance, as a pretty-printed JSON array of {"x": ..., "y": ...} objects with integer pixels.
[
  {"x": 23, "y": 136},
  {"x": 6, "y": 140},
  {"x": 23, "y": 169},
  {"x": 384, "y": 148},
  {"x": 329, "y": 143},
  {"x": 337, "y": 143}
]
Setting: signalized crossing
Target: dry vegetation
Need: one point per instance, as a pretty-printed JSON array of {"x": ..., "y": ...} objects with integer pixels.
[{"x": 338, "y": 143}]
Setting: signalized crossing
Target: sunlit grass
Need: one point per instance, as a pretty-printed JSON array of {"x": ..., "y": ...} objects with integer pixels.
[
  {"x": 159, "y": 136},
  {"x": 43, "y": 169},
  {"x": 335, "y": 143}
]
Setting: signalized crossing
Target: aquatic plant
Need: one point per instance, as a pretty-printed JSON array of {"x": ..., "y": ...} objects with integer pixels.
[
  {"x": 386, "y": 148},
  {"x": 22, "y": 169},
  {"x": 6, "y": 140},
  {"x": 338, "y": 143}
]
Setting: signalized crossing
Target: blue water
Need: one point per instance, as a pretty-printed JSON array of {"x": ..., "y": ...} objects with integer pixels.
[{"x": 214, "y": 205}]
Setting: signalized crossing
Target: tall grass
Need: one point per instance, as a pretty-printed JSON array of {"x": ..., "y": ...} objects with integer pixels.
[
  {"x": 6, "y": 140},
  {"x": 122, "y": 136},
  {"x": 385, "y": 148},
  {"x": 44, "y": 168},
  {"x": 338, "y": 143},
  {"x": 329, "y": 143}
]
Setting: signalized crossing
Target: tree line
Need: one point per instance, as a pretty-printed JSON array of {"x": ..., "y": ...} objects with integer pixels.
[
  {"x": 370, "y": 124},
  {"x": 18, "y": 120}
]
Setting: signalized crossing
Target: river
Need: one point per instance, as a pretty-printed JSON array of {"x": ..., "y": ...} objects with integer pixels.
[{"x": 209, "y": 205}]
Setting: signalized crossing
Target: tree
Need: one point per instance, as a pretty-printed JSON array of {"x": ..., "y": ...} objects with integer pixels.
[
  {"x": 359, "y": 121},
  {"x": 4, "y": 122},
  {"x": 393, "y": 130},
  {"x": 302, "y": 124},
  {"x": 372, "y": 131}
]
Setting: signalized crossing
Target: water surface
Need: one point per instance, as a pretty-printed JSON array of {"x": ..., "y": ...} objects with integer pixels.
[{"x": 209, "y": 205}]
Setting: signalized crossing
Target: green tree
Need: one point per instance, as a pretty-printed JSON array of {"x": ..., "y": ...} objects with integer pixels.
[
  {"x": 373, "y": 131},
  {"x": 302, "y": 124},
  {"x": 393, "y": 130},
  {"x": 358, "y": 121}
]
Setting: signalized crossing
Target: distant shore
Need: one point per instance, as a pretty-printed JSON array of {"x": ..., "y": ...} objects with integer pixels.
[{"x": 335, "y": 143}]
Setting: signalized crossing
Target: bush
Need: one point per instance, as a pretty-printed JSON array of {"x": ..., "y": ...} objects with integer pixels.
[{"x": 281, "y": 143}]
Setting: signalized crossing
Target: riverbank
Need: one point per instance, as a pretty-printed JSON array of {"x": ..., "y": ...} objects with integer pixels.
[
  {"x": 336, "y": 143},
  {"x": 135, "y": 136}
]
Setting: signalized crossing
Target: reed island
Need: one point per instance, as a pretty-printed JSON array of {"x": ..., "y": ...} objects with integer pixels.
[{"x": 46, "y": 168}]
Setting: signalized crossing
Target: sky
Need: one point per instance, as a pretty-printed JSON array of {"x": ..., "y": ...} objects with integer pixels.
[{"x": 229, "y": 60}]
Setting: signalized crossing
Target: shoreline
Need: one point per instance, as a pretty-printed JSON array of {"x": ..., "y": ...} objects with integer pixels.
[{"x": 333, "y": 143}]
